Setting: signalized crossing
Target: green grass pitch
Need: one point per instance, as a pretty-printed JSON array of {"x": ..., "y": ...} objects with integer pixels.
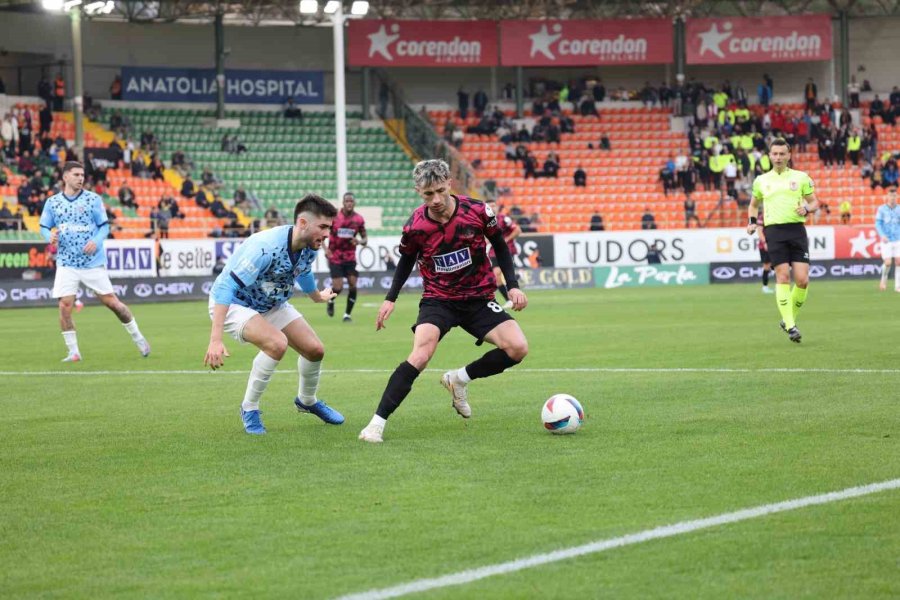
[{"x": 144, "y": 485}]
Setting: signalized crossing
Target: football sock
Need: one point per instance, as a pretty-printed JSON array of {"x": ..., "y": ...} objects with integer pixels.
[
  {"x": 783, "y": 298},
  {"x": 132, "y": 328},
  {"x": 376, "y": 420},
  {"x": 463, "y": 376},
  {"x": 503, "y": 291},
  {"x": 263, "y": 367},
  {"x": 766, "y": 277},
  {"x": 798, "y": 297},
  {"x": 71, "y": 340},
  {"x": 309, "y": 380},
  {"x": 351, "y": 300},
  {"x": 885, "y": 271},
  {"x": 397, "y": 389},
  {"x": 896, "y": 277},
  {"x": 493, "y": 362}
]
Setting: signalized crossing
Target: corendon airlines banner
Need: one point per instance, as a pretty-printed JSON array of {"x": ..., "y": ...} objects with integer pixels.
[
  {"x": 585, "y": 43},
  {"x": 422, "y": 43},
  {"x": 753, "y": 40}
]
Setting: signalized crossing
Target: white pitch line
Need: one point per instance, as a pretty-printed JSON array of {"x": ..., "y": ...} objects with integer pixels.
[
  {"x": 470, "y": 575},
  {"x": 520, "y": 370}
]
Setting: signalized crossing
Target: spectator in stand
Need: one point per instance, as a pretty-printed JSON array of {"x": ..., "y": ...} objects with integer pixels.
[
  {"x": 690, "y": 213},
  {"x": 566, "y": 124},
  {"x": 553, "y": 134},
  {"x": 480, "y": 102},
  {"x": 523, "y": 135},
  {"x": 530, "y": 165},
  {"x": 156, "y": 168},
  {"x": 208, "y": 180},
  {"x": 580, "y": 177},
  {"x": 509, "y": 151},
  {"x": 462, "y": 102},
  {"x": 292, "y": 111},
  {"x": 126, "y": 196},
  {"x": 187, "y": 187},
  {"x": 25, "y": 132},
  {"x": 37, "y": 182},
  {"x": 648, "y": 221},
  {"x": 59, "y": 92},
  {"x": 521, "y": 153},
  {"x": 648, "y": 95},
  {"x": 730, "y": 173},
  {"x": 597, "y": 221},
  {"x": 604, "y": 142},
  {"x": 839, "y": 145},
  {"x": 272, "y": 217},
  {"x": 877, "y": 178},
  {"x": 26, "y": 165},
  {"x": 890, "y": 175},
  {"x": 219, "y": 210},
  {"x": 45, "y": 90},
  {"x": 458, "y": 138},
  {"x": 9, "y": 134},
  {"x": 876, "y": 107},
  {"x": 35, "y": 204},
  {"x": 115, "y": 88},
  {"x": 45, "y": 119},
  {"x": 168, "y": 204},
  {"x": 667, "y": 175},
  {"x": 810, "y": 93},
  {"x": 587, "y": 106},
  {"x": 551, "y": 165},
  {"x": 846, "y": 212},
  {"x": 7, "y": 218},
  {"x": 895, "y": 96},
  {"x": 825, "y": 146},
  {"x": 201, "y": 198}
]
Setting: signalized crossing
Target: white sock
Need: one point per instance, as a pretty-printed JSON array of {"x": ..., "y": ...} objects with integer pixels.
[
  {"x": 132, "y": 328},
  {"x": 263, "y": 367},
  {"x": 462, "y": 376},
  {"x": 309, "y": 380},
  {"x": 71, "y": 339},
  {"x": 896, "y": 276},
  {"x": 376, "y": 420}
]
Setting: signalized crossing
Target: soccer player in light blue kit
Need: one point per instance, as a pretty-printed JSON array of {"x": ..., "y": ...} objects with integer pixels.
[
  {"x": 887, "y": 223},
  {"x": 249, "y": 300},
  {"x": 76, "y": 220}
]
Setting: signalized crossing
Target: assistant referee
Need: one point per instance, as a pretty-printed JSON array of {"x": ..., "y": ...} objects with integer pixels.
[{"x": 788, "y": 197}]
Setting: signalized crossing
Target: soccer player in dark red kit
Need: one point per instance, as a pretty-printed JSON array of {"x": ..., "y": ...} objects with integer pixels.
[
  {"x": 447, "y": 236},
  {"x": 510, "y": 230},
  {"x": 341, "y": 252}
]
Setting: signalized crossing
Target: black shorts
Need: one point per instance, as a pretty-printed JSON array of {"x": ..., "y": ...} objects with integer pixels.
[
  {"x": 787, "y": 243},
  {"x": 764, "y": 256},
  {"x": 343, "y": 269},
  {"x": 478, "y": 317}
]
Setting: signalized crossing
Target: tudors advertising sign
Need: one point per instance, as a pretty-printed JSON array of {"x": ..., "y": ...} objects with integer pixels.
[
  {"x": 626, "y": 247},
  {"x": 586, "y": 43},
  {"x": 758, "y": 39},
  {"x": 163, "y": 84},
  {"x": 26, "y": 260},
  {"x": 751, "y": 272},
  {"x": 375, "y": 43}
]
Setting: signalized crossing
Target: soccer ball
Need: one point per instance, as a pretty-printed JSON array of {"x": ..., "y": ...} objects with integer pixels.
[{"x": 562, "y": 414}]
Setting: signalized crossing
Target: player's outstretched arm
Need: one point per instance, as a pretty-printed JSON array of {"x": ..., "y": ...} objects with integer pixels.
[
  {"x": 323, "y": 295},
  {"x": 216, "y": 351}
]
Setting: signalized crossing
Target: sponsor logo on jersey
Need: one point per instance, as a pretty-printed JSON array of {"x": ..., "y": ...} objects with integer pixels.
[
  {"x": 794, "y": 186},
  {"x": 453, "y": 261},
  {"x": 346, "y": 233}
]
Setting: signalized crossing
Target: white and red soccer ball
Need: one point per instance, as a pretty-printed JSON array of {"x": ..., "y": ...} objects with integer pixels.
[{"x": 562, "y": 413}]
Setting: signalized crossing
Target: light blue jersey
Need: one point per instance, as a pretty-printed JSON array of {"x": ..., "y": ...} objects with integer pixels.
[
  {"x": 79, "y": 219},
  {"x": 887, "y": 222},
  {"x": 261, "y": 273}
]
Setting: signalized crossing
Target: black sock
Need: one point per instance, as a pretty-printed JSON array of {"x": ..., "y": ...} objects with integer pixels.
[
  {"x": 502, "y": 289},
  {"x": 351, "y": 300},
  {"x": 766, "y": 277},
  {"x": 493, "y": 362},
  {"x": 397, "y": 389}
]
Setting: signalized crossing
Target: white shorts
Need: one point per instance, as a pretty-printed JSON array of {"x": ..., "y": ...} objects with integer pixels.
[
  {"x": 890, "y": 250},
  {"x": 68, "y": 279},
  {"x": 237, "y": 317}
]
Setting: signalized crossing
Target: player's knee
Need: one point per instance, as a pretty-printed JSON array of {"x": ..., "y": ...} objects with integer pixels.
[
  {"x": 66, "y": 305},
  {"x": 419, "y": 359},
  {"x": 277, "y": 346},
  {"x": 802, "y": 282},
  {"x": 316, "y": 352},
  {"x": 518, "y": 350}
]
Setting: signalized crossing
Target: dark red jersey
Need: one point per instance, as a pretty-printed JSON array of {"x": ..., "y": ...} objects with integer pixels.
[
  {"x": 452, "y": 256},
  {"x": 506, "y": 225},
  {"x": 343, "y": 230}
]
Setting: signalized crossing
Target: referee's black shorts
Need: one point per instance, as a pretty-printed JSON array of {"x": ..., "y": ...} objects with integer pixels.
[{"x": 787, "y": 243}]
